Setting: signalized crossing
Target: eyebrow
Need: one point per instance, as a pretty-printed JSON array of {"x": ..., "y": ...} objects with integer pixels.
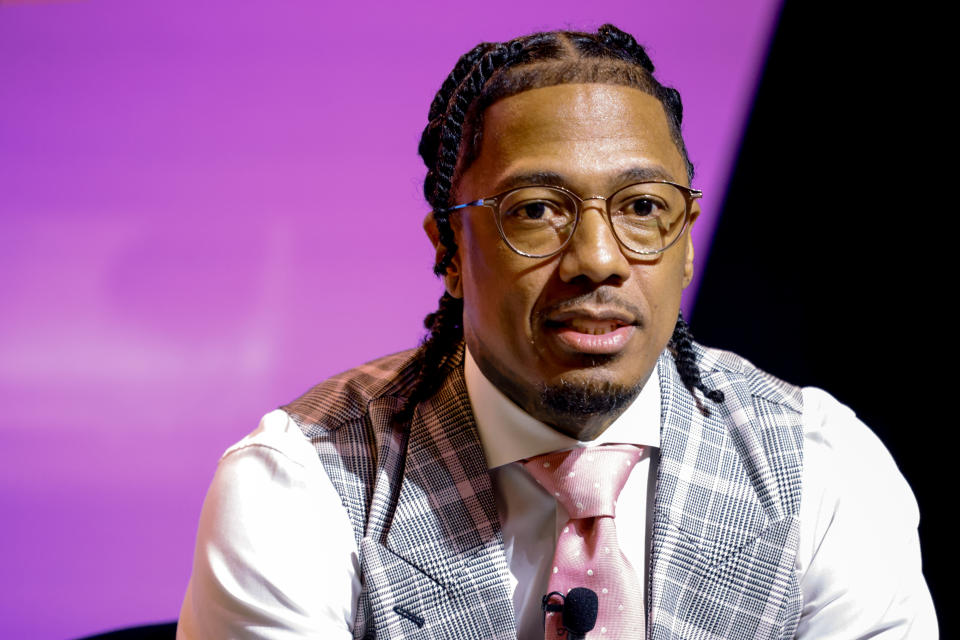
[{"x": 553, "y": 179}]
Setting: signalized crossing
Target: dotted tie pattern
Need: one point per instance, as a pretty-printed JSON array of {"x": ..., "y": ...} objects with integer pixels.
[{"x": 587, "y": 482}]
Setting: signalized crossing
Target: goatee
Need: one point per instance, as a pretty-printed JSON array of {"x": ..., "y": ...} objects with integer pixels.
[{"x": 571, "y": 402}]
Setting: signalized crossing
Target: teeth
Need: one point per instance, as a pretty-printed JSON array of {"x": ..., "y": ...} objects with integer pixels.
[{"x": 593, "y": 327}]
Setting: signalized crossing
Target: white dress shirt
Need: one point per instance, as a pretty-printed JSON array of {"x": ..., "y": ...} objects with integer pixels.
[{"x": 276, "y": 557}]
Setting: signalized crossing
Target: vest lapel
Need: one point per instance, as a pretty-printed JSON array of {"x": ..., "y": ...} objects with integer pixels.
[
  {"x": 722, "y": 550},
  {"x": 435, "y": 562}
]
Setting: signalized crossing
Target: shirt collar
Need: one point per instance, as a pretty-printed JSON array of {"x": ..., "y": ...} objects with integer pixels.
[{"x": 508, "y": 433}]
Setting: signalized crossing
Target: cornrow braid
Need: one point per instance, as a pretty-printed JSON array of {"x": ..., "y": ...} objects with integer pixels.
[
  {"x": 682, "y": 344},
  {"x": 440, "y": 150},
  {"x": 452, "y": 137},
  {"x": 445, "y": 332},
  {"x": 442, "y": 138},
  {"x": 626, "y": 44}
]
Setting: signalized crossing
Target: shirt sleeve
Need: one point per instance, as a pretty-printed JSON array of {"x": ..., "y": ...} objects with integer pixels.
[
  {"x": 275, "y": 556},
  {"x": 859, "y": 556}
]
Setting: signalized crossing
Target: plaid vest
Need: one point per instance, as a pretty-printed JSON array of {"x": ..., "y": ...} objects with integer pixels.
[{"x": 419, "y": 496}]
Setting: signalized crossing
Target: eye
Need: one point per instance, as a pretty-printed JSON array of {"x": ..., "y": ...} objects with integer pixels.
[
  {"x": 643, "y": 206},
  {"x": 535, "y": 210},
  {"x": 531, "y": 211}
]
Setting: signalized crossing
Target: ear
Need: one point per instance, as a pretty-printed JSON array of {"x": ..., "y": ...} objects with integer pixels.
[
  {"x": 451, "y": 279},
  {"x": 688, "y": 245}
]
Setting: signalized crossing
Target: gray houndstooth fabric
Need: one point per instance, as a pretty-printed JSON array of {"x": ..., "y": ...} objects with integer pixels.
[{"x": 423, "y": 511}]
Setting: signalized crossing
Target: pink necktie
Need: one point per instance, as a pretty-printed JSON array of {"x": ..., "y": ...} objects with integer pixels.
[{"x": 587, "y": 482}]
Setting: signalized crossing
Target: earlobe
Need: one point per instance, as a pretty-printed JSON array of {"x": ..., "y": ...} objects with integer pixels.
[
  {"x": 451, "y": 278},
  {"x": 688, "y": 262}
]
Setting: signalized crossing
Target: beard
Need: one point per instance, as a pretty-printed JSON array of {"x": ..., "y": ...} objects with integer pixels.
[
  {"x": 572, "y": 402},
  {"x": 576, "y": 407}
]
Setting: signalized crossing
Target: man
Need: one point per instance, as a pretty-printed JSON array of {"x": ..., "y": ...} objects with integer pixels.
[{"x": 436, "y": 492}]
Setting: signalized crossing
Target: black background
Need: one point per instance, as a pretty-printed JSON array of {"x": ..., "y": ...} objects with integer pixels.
[{"x": 830, "y": 263}]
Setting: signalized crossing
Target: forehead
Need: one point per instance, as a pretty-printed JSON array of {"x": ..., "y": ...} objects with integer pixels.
[{"x": 589, "y": 134}]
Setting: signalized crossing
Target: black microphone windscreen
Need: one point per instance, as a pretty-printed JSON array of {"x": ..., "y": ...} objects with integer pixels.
[{"x": 580, "y": 610}]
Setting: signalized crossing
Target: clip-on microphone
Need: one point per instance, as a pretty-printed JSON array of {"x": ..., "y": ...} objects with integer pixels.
[{"x": 579, "y": 610}]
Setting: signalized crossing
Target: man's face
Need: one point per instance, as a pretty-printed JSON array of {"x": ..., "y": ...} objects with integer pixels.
[{"x": 592, "y": 320}]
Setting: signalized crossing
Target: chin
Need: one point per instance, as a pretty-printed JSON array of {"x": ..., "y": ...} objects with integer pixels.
[
  {"x": 578, "y": 398},
  {"x": 583, "y": 408}
]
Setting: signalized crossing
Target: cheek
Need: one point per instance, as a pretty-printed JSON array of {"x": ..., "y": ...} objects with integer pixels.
[
  {"x": 500, "y": 288},
  {"x": 660, "y": 286},
  {"x": 479, "y": 266},
  {"x": 516, "y": 297},
  {"x": 483, "y": 278},
  {"x": 663, "y": 291}
]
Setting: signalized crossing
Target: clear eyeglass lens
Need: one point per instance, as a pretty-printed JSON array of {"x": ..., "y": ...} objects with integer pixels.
[
  {"x": 646, "y": 217},
  {"x": 537, "y": 220}
]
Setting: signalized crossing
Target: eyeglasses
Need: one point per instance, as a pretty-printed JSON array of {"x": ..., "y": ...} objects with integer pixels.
[{"x": 647, "y": 218}]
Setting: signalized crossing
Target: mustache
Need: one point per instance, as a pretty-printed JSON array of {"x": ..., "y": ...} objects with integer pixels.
[{"x": 604, "y": 297}]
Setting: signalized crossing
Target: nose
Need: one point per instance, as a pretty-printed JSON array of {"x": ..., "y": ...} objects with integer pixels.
[{"x": 593, "y": 250}]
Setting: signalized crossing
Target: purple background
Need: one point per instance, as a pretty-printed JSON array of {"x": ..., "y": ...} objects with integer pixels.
[{"x": 180, "y": 248}]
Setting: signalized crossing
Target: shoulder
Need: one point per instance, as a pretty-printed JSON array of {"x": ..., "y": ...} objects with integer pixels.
[
  {"x": 858, "y": 553},
  {"x": 723, "y": 368},
  {"x": 845, "y": 455},
  {"x": 273, "y": 457},
  {"x": 834, "y": 426},
  {"x": 846, "y": 459},
  {"x": 271, "y": 522},
  {"x": 276, "y": 436},
  {"x": 345, "y": 397}
]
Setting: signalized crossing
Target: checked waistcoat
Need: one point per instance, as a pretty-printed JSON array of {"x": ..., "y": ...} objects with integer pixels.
[{"x": 432, "y": 561}]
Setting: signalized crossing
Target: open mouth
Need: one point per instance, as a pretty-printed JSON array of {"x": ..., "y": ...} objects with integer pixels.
[
  {"x": 581, "y": 334},
  {"x": 590, "y": 326}
]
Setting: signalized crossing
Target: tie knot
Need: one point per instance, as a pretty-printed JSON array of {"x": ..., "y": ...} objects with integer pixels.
[{"x": 586, "y": 481}]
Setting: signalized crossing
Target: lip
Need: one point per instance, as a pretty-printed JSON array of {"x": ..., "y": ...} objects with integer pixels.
[
  {"x": 591, "y": 313},
  {"x": 574, "y": 330},
  {"x": 609, "y": 343}
]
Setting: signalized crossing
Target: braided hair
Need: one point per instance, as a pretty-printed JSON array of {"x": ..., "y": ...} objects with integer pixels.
[{"x": 451, "y": 140}]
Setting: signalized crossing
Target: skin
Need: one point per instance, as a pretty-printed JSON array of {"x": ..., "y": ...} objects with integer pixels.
[{"x": 589, "y": 135}]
